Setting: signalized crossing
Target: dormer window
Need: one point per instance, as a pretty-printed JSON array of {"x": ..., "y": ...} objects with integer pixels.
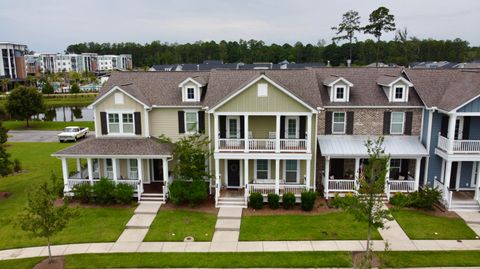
[
  {"x": 395, "y": 88},
  {"x": 338, "y": 88},
  {"x": 191, "y": 90},
  {"x": 399, "y": 94},
  {"x": 340, "y": 94},
  {"x": 191, "y": 94}
]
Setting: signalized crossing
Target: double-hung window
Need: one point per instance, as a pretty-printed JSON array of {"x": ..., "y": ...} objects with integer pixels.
[
  {"x": 292, "y": 128},
  {"x": 121, "y": 123},
  {"x": 191, "y": 121},
  {"x": 397, "y": 122},
  {"x": 233, "y": 126},
  {"x": 338, "y": 123},
  {"x": 113, "y": 123},
  {"x": 127, "y": 120},
  {"x": 133, "y": 169},
  {"x": 262, "y": 169},
  {"x": 291, "y": 171},
  {"x": 399, "y": 93},
  {"x": 190, "y": 94},
  {"x": 109, "y": 168}
]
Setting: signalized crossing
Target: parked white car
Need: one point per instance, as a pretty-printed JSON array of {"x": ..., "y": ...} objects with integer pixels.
[{"x": 72, "y": 133}]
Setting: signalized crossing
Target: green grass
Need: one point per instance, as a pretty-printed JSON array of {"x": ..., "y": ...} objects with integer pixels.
[
  {"x": 421, "y": 225},
  {"x": 64, "y": 100},
  {"x": 101, "y": 224},
  {"x": 175, "y": 225},
  {"x": 26, "y": 263},
  {"x": 328, "y": 226},
  {"x": 45, "y": 125},
  {"x": 402, "y": 259}
]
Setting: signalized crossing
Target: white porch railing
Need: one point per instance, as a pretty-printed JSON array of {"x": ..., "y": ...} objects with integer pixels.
[
  {"x": 459, "y": 146},
  {"x": 295, "y": 189},
  {"x": 401, "y": 185},
  {"x": 261, "y": 144},
  {"x": 133, "y": 175},
  {"x": 231, "y": 144},
  {"x": 293, "y": 145},
  {"x": 72, "y": 182},
  {"x": 341, "y": 185},
  {"x": 265, "y": 189},
  {"x": 442, "y": 142},
  {"x": 262, "y": 188}
]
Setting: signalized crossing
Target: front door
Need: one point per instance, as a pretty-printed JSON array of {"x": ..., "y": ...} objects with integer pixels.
[
  {"x": 157, "y": 170},
  {"x": 233, "y": 169}
]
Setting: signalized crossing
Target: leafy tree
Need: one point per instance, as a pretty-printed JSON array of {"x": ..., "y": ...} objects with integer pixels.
[
  {"x": 41, "y": 217},
  {"x": 74, "y": 76},
  {"x": 347, "y": 28},
  {"x": 5, "y": 82},
  {"x": 5, "y": 162},
  {"x": 75, "y": 88},
  {"x": 25, "y": 102},
  {"x": 47, "y": 88},
  {"x": 367, "y": 206},
  {"x": 3, "y": 134},
  {"x": 380, "y": 21}
]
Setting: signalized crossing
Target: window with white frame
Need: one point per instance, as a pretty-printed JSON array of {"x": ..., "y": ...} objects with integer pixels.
[
  {"x": 113, "y": 123},
  {"x": 132, "y": 169},
  {"x": 399, "y": 93},
  {"x": 261, "y": 169},
  {"x": 127, "y": 123},
  {"x": 262, "y": 90},
  {"x": 233, "y": 127},
  {"x": 292, "y": 129},
  {"x": 190, "y": 94},
  {"x": 121, "y": 123},
  {"x": 397, "y": 122},
  {"x": 291, "y": 171},
  {"x": 338, "y": 123},
  {"x": 191, "y": 121},
  {"x": 340, "y": 94},
  {"x": 395, "y": 167}
]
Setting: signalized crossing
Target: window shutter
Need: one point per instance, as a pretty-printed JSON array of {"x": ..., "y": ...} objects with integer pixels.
[
  {"x": 242, "y": 127},
  {"x": 282, "y": 127},
  {"x": 386, "y": 122},
  {"x": 302, "y": 127},
  {"x": 444, "y": 126},
  {"x": 103, "y": 122},
  {"x": 223, "y": 126},
  {"x": 350, "y": 120},
  {"x": 408, "y": 123},
  {"x": 138, "y": 123},
  {"x": 181, "y": 122},
  {"x": 466, "y": 128},
  {"x": 328, "y": 122},
  {"x": 201, "y": 121}
]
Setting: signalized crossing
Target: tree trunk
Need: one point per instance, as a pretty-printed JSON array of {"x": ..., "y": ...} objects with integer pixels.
[
  {"x": 27, "y": 121},
  {"x": 351, "y": 51},
  {"x": 378, "y": 48},
  {"x": 49, "y": 251}
]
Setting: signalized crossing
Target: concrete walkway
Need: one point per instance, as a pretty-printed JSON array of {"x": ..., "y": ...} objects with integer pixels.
[
  {"x": 395, "y": 236},
  {"x": 472, "y": 218},
  {"x": 137, "y": 227},
  {"x": 227, "y": 228}
]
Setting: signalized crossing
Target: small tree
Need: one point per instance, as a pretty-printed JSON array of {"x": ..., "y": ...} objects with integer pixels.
[
  {"x": 368, "y": 206},
  {"x": 347, "y": 28},
  {"x": 5, "y": 162},
  {"x": 5, "y": 82},
  {"x": 47, "y": 88},
  {"x": 41, "y": 217},
  {"x": 75, "y": 88},
  {"x": 25, "y": 102},
  {"x": 380, "y": 21}
]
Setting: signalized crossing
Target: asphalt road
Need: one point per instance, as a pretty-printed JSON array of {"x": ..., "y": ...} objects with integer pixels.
[{"x": 33, "y": 136}]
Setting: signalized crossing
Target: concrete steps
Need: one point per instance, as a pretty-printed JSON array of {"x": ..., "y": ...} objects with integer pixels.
[
  {"x": 470, "y": 205},
  {"x": 231, "y": 202},
  {"x": 152, "y": 197}
]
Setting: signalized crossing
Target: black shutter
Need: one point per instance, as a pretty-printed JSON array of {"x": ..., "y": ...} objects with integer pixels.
[
  {"x": 282, "y": 127},
  {"x": 466, "y": 128},
  {"x": 103, "y": 122},
  {"x": 328, "y": 122},
  {"x": 444, "y": 126},
  {"x": 349, "y": 122},
  {"x": 302, "y": 130},
  {"x": 242, "y": 127},
  {"x": 201, "y": 121},
  {"x": 181, "y": 122},
  {"x": 408, "y": 123},
  {"x": 404, "y": 171},
  {"x": 386, "y": 122},
  {"x": 138, "y": 123},
  {"x": 223, "y": 126}
]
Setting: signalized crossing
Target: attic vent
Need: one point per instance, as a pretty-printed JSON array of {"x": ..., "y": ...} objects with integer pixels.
[
  {"x": 262, "y": 90},
  {"x": 119, "y": 98}
]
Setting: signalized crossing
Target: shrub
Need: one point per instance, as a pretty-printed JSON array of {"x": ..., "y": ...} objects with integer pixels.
[
  {"x": 400, "y": 200},
  {"x": 74, "y": 88},
  {"x": 47, "y": 88},
  {"x": 197, "y": 192},
  {"x": 17, "y": 166},
  {"x": 82, "y": 192},
  {"x": 308, "y": 200},
  {"x": 123, "y": 193},
  {"x": 425, "y": 197},
  {"x": 177, "y": 191},
  {"x": 256, "y": 200},
  {"x": 103, "y": 191},
  {"x": 288, "y": 200},
  {"x": 342, "y": 202},
  {"x": 273, "y": 200}
]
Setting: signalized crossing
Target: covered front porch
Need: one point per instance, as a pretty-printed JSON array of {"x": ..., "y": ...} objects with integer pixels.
[
  {"x": 343, "y": 159},
  {"x": 121, "y": 160}
]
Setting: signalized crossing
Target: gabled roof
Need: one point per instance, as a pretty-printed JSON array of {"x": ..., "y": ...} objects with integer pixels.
[
  {"x": 333, "y": 79},
  {"x": 198, "y": 80},
  {"x": 129, "y": 89},
  {"x": 388, "y": 81}
]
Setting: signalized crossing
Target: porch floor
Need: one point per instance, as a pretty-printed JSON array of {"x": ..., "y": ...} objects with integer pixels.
[
  {"x": 463, "y": 195},
  {"x": 153, "y": 187},
  {"x": 232, "y": 192}
]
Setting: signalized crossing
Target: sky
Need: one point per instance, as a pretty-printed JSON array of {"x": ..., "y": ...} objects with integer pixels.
[{"x": 50, "y": 26}]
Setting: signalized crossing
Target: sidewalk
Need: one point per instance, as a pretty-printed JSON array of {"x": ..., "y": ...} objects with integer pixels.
[
  {"x": 138, "y": 226},
  {"x": 472, "y": 218}
]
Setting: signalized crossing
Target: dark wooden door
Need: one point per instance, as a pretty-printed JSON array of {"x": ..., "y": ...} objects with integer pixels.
[
  {"x": 157, "y": 170},
  {"x": 233, "y": 167},
  {"x": 453, "y": 175}
]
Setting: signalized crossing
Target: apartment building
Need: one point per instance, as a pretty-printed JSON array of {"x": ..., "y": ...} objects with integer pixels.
[{"x": 12, "y": 62}]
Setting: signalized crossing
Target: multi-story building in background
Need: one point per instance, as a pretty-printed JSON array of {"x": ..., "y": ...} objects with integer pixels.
[{"x": 12, "y": 62}]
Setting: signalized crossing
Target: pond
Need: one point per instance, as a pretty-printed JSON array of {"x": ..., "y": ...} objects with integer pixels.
[{"x": 66, "y": 113}]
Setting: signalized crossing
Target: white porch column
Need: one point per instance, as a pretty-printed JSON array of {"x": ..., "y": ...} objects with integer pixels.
[
  {"x": 215, "y": 131},
  {"x": 277, "y": 134},
  {"x": 309, "y": 133},
  {"x": 245, "y": 173},
  {"x": 446, "y": 183},
  {"x": 387, "y": 179},
  {"x": 417, "y": 173},
  {"x": 79, "y": 167},
  {"x": 217, "y": 173},
  {"x": 308, "y": 168},
  {"x": 90, "y": 170},
  {"x": 245, "y": 132},
  {"x": 442, "y": 172},
  {"x": 165, "y": 171},
  {"x": 277, "y": 176},
  {"x": 140, "y": 175},
  {"x": 477, "y": 185},
  {"x": 114, "y": 168},
  {"x": 357, "y": 171},
  {"x": 65, "y": 173},
  {"x": 451, "y": 132},
  {"x": 327, "y": 176}
]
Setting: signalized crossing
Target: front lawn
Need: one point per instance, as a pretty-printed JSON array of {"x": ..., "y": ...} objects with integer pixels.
[
  {"x": 176, "y": 224},
  {"x": 327, "y": 226},
  {"x": 423, "y": 225},
  {"x": 96, "y": 224}
]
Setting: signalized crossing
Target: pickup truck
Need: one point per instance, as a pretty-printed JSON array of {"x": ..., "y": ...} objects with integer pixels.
[{"x": 72, "y": 133}]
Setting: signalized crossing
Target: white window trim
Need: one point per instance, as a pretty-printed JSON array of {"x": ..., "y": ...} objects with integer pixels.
[
  {"x": 228, "y": 127},
  {"x": 129, "y": 167},
  {"x": 345, "y": 93},
  {"x": 185, "y": 121},
  {"x": 403, "y": 123},
  {"x": 120, "y": 122},
  {"x": 404, "y": 93},
  {"x": 344, "y": 122},
  {"x": 186, "y": 94},
  {"x": 269, "y": 175},
  {"x": 225, "y": 167},
  {"x": 285, "y": 171},
  {"x": 262, "y": 86},
  {"x": 196, "y": 93},
  {"x": 297, "y": 127},
  {"x": 399, "y": 166}
]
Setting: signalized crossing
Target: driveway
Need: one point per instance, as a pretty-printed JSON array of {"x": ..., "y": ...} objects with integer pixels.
[{"x": 33, "y": 136}]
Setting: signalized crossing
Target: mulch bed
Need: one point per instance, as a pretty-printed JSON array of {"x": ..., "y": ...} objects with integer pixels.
[
  {"x": 57, "y": 263},
  {"x": 4, "y": 195},
  {"x": 358, "y": 257},
  {"x": 320, "y": 207},
  {"x": 207, "y": 206},
  {"x": 437, "y": 211}
]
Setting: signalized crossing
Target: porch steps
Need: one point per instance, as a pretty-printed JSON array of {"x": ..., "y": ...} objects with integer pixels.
[
  {"x": 468, "y": 205},
  {"x": 231, "y": 202},
  {"x": 152, "y": 197}
]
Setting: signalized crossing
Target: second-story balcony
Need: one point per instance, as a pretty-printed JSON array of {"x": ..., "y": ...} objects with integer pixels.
[
  {"x": 263, "y": 145},
  {"x": 458, "y": 146}
]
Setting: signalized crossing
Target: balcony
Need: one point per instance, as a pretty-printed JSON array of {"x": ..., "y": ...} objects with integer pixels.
[
  {"x": 458, "y": 146},
  {"x": 263, "y": 145}
]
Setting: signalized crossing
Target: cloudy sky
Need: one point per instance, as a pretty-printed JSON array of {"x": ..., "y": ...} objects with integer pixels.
[{"x": 50, "y": 26}]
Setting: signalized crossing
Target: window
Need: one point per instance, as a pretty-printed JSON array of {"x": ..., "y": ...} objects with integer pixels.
[
  {"x": 399, "y": 94},
  {"x": 121, "y": 123},
  {"x": 109, "y": 168},
  {"x": 396, "y": 124},
  {"x": 127, "y": 120},
  {"x": 190, "y": 93},
  {"x": 262, "y": 90},
  {"x": 233, "y": 128},
  {"x": 291, "y": 171},
  {"x": 113, "y": 123},
  {"x": 262, "y": 169},
  {"x": 339, "y": 93},
  {"x": 395, "y": 167},
  {"x": 292, "y": 128},
  {"x": 191, "y": 121},
  {"x": 338, "y": 124},
  {"x": 132, "y": 169}
]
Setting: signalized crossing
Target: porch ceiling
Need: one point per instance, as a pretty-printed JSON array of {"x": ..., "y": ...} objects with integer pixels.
[
  {"x": 117, "y": 147},
  {"x": 343, "y": 146}
]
